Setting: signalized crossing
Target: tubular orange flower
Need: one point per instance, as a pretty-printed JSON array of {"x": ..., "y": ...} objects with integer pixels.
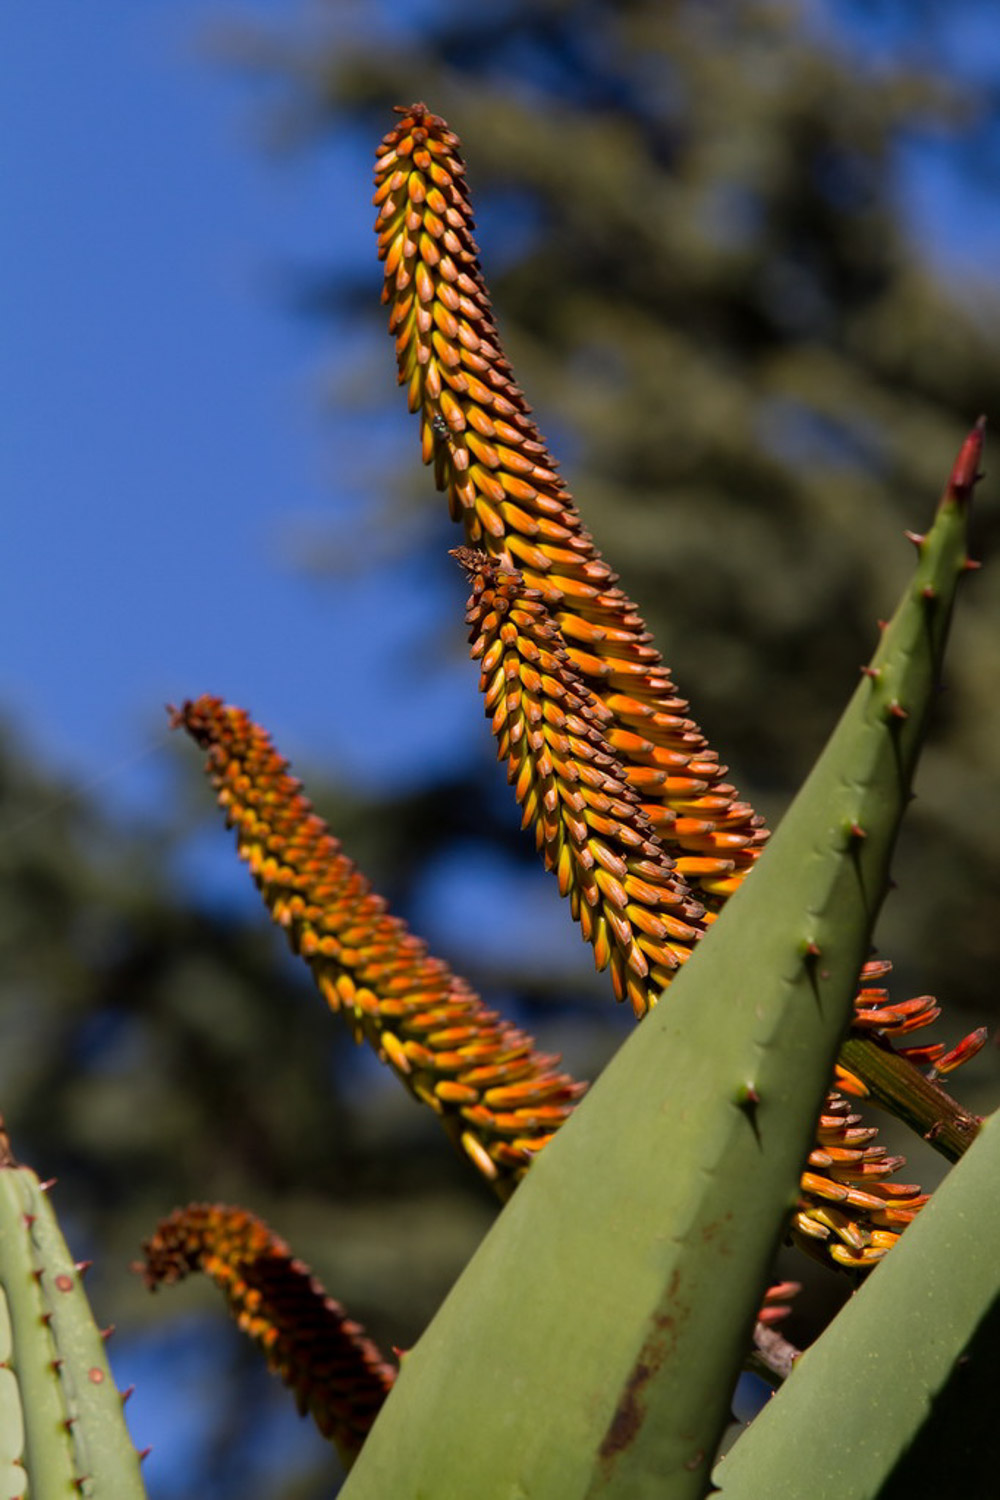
[
  {"x": 501, "y": 481},
  {"x": 589, "y": 825},
  {"x": 337, "y": 1374},
  {"x": 498, "y": 1098}
]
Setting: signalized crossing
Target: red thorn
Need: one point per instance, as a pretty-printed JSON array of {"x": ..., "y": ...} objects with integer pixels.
[
  {"x": 127, "y": 1393},
  {"x": 897, "y": 711},
  {"x": 971, "y": 565},
  {"x": 812, "y": 949},
  {"x": 144, "y": 1453},
  {"x": 82, "y": 1267},
  {"x": 966, "y": 469},
  {"x": 47, "y": 1185},
  {"x": 107, "y": 1332},
  {"x": 28, "y": 1220},
  {"x": 916, "y": 538},
  {"x": 882, "y": 624},
  {"x": 857, "y": 832},
  {"x": 873, "y": 672},
  {"x": 928, "y": 591}
]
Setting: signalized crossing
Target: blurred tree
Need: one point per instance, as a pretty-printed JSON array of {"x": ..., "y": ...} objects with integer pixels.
[{"x": 756, "y": 377}]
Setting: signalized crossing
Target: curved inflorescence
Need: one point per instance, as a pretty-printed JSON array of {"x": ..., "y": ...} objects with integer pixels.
[
  {"x": 337, "y": 1374},
  {"x": 589, "y": 825},
  {"x": 501, "y": 481},
  {"x": 499, "y": 1098}
]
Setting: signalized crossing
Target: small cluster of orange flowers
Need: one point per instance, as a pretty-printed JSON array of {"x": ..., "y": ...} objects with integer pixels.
[{"x": 335, "y": 1371}]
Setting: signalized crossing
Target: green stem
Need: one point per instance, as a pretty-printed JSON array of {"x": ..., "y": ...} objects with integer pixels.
[{"x": 898, "y": 1086}]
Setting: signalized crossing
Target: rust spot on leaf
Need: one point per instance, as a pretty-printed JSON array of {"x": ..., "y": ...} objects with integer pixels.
[
  {"x": 628, "y": 1416},
  {"x": 630, "y": 1413}
]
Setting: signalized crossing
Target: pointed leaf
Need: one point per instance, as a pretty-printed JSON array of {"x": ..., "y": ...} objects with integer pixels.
[
  {"x": 62, "y": 1431},
  {"x": 591, "y": 1346},
  {"x": 898, "y": 1396}
]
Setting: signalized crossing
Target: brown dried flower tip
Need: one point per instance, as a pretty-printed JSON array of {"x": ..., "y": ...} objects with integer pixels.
[
  {"x": 499, "y": 1099},
  {"x": 502, "y": 483},
  {"x": 335, "y": 1371},
  {"x": 589, "y": 825}
]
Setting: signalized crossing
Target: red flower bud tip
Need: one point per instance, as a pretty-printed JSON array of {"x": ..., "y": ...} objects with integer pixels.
[{"x": 966, "y": 471}]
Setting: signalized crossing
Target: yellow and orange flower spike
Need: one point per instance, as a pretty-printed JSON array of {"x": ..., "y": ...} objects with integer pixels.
[
  {"x": 589, "y": 825},
  {"x": 335, "y": 1371},
  {"x": 501, "y": 481},
  {"x": 499, "y": 1099}
]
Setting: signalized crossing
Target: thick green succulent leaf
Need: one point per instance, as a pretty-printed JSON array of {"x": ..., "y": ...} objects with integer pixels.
[
  {"x": 62, "y": 1431},
  {"x": 898, "y": 1396},
  {"x": 591, "y": 1345}
]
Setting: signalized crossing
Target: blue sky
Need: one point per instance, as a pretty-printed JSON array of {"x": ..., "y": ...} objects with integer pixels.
[{"x": 164, "y": 434}]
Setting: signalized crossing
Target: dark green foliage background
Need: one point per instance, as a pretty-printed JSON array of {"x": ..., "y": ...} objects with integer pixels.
[{"x": 690, "y": 220}]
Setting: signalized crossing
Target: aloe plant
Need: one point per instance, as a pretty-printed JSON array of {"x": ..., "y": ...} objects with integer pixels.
[
  {"x": 592, "y": 1345},
  {"x": 62, "y": 1431}
]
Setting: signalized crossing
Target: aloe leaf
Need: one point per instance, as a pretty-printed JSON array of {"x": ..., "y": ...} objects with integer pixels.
[
  {"x": 898, "y": 1396},
  {"x": 591, "y": 1346},
  {"x": 62, "y": 1431}
]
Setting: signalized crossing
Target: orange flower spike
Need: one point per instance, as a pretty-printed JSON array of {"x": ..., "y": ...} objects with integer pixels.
[
  {"x": 335, "y": 1371},
  {"x": 589, "y": 824},
  {"x": 502, "y": 483},
  {"x": 428, "y": 1025}
]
